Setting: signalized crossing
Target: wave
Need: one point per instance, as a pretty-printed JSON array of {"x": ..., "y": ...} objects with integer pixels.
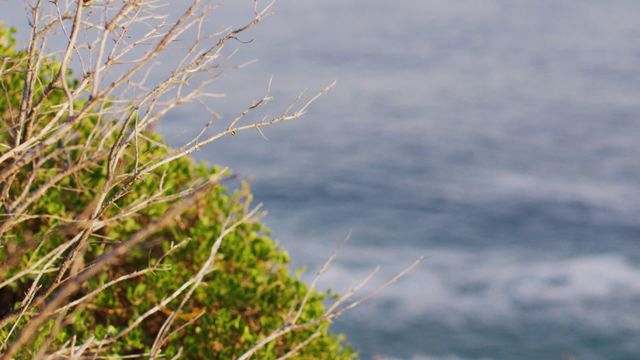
[
  {"x": 431, "y": 357},
  {"x": 455, "y": 286}
]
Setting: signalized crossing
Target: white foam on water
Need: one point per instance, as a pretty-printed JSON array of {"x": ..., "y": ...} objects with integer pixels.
[
  {"x": 458, "y": 286},
  {"x": 430, "y": 357},
  {"x": 612, "y": 196}
]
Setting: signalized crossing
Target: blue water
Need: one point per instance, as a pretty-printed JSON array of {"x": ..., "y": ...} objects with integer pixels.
[{"x": 499, "y": 138}]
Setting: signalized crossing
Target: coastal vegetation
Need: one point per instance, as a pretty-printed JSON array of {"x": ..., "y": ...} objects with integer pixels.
[{"x": 116, "y": 245}]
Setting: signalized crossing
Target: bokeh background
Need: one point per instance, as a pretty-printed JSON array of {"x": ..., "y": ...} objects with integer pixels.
[{"x": 499, "y": 138}]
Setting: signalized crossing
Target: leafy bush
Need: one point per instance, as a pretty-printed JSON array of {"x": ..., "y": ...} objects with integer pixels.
[{"x": 248, "y": 293}]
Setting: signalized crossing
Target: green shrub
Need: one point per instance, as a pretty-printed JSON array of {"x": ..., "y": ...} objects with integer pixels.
[{"x": 248, "y": 295}]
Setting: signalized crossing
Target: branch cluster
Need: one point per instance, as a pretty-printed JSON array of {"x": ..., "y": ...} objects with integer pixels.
[{"x": 86, "y": 185}]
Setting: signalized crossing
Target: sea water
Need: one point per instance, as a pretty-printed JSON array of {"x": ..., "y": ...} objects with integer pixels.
[{"x": 498, "y": 138}]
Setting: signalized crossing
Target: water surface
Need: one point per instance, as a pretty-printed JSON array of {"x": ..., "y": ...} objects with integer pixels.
[{"x": 499, "y": 138}]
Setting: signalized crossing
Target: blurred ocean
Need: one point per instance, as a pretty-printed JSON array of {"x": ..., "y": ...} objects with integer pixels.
[{"x": 499, "y": 138}]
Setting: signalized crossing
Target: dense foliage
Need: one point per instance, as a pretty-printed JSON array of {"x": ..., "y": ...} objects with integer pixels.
[{"x": 249, "y": 295}]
